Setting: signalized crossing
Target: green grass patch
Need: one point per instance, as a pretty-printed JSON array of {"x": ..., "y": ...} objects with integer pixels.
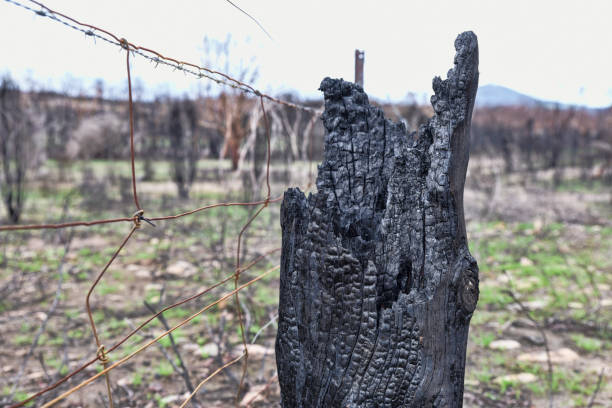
[
  {"x": 137, "y": 379},
  {"x": 178, "y": 313},
  {"x": 76, "y": 333},
  {"x": 164, "y": 369},
  {"x": 18, "y": 396},
  {"x": 493, "y": 296},
  {"x": 104, "y": 288},
  {"x": 177, "y": 335},
  {"x": 484, "y": 339},
  {"x": 264, "y": 295},
  {"x": 484, "y": 376},
  {"x": 587, "y": 344},
  {"x": 23, "y": 340}
]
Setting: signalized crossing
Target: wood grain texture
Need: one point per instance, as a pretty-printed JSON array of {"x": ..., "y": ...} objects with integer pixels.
[{"x": 377, "y": 283}]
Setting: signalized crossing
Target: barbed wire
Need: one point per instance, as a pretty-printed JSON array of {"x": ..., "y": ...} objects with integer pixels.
[
  {"x": 102, "y": 353},
  {"x": 155, "y": 56}
]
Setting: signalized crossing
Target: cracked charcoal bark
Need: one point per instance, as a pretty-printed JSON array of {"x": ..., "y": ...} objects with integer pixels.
[{"x": 377, "y": 283}]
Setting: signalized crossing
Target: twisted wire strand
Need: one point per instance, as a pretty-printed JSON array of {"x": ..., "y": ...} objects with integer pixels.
[{"x": 155, "y": 56}]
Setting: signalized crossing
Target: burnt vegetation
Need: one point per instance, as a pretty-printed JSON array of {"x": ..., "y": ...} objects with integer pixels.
[{"x": 538, "y": 210}]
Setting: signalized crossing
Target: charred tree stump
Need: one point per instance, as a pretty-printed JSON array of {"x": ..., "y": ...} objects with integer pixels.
[{"x": 377, "y": 283}]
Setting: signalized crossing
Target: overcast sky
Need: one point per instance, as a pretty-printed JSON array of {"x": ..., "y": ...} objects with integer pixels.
[{"x": 554, "y": 50}]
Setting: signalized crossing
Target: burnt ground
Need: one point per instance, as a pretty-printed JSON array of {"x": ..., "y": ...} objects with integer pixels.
[{"x": 545, "y": 282}]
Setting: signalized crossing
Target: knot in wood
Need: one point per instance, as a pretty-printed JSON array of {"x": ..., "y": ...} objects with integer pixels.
[{"x": 468, "y": 290}]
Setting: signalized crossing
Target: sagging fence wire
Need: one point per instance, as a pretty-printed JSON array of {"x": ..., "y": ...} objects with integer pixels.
[
  {"x": 102, "y": 353},
  {"x": 154, "y": 56}
]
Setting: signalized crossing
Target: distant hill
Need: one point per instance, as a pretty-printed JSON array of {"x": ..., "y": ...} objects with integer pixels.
[{"x": 496, "y": 95}]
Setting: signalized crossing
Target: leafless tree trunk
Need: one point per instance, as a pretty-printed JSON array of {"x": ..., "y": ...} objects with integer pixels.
[
  {"x": 184, "y": 145},
  {"x": 150, "y": 141},
  {"x": 59, "y": 123},
  {"x": 235, "y": 125},
  {"x": 291, "y": 121},
  {"x": 16, "y": 147}
]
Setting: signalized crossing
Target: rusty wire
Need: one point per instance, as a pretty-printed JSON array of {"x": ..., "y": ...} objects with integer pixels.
[
  {"x": 64, "y": 225},
  {"x": 141, "y": 326},
  {"x": 131, "y": 107},
  {"x": 156, "y": 339},
  {"x": 237, "y": 277},
  {"x": 217, "y": 371},
  {"x": 102, "y": 352},
  {"x": 155, "y": 56},
  {"x": 262, "y": 391},
  {"x": 131, "y": 219}
]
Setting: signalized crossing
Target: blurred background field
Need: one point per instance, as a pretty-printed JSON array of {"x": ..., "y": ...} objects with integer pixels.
[
  {"x": 539, "y": 216},
  {"x": 538, "y": 205}
]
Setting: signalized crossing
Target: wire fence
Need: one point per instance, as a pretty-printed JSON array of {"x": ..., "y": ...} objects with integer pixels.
[{"x": 138, "y": 217}]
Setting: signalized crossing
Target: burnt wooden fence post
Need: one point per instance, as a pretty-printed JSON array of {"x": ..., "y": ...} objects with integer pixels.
[{"x": 377, "y": 283}]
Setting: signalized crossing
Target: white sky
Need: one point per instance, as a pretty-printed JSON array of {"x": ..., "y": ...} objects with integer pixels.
[{"x": 554, "y": 50}]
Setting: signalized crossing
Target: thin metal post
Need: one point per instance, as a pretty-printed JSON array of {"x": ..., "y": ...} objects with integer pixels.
[{"x": 359, "y": 58}]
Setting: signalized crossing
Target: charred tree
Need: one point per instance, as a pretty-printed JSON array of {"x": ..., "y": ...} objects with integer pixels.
[
  {"x": 377, "y": 283},
  {"x": 184, "y": 146},
  {"x": 17, "y": 147}
]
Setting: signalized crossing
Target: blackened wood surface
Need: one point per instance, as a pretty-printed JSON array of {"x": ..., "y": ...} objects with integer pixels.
[{"x": 377, "y": 283}]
